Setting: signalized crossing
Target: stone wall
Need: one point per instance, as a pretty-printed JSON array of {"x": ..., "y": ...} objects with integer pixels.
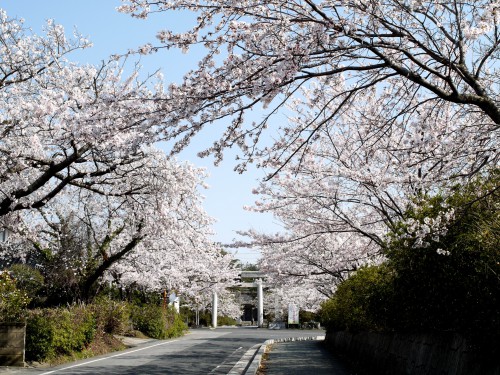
[
  {"x": 12, "y": 341},
  {"x": 416, "y": 354}
]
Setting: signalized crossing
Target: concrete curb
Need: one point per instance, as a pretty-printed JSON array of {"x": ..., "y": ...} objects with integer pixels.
[
  {"x": 240, "y": 367},
  {"x": 250, "y": 362}
]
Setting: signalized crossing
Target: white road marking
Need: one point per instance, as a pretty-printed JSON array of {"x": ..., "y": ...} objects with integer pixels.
[
  {"x": 223, "y": 363},
  {"x": 111, "y": 356}
]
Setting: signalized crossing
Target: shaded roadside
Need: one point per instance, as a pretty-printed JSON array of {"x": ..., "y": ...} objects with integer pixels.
[{"x": 301, "y": 358}]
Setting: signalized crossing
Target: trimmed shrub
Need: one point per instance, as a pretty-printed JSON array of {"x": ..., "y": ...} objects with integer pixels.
[
  {"x": 225, "y": 321},
  {"x": 66, "y": 331},
  {"x": 82, "y": 325},
  {"x": 148, "y": 319},
  {"x": 59, "y": 331},
  {"x": 360, "y": 303},
  {"x": 175, "y": 326},
  {"x": 156, "y": 322}
]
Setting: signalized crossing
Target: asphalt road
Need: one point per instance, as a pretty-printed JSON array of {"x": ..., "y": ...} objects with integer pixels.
[
  {"x": 201, "y": 351},
  {"x": 287, "y": 358}
]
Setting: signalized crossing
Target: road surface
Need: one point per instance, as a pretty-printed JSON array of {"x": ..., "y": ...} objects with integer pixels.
[{"x": 201, "y": 351}]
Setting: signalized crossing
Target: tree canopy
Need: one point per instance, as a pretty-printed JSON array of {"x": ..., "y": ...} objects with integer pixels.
[
  {"x": 413, "y": 59},
  {"x": 384, "y": 101},
  {"x": 84, "y": 193}
]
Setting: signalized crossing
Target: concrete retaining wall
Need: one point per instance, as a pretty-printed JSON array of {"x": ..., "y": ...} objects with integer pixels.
[
  {"x": 12, "y": 341},
  {"x": 417, "y": 354}
]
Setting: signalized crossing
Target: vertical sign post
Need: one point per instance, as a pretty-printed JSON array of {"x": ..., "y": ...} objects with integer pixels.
[{"x": 293, "y": 314}]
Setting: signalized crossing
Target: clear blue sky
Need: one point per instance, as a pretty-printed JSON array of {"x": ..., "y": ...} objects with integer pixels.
[{"x": 112, "y": 32}]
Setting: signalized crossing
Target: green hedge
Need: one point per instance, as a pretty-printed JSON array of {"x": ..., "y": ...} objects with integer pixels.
[
  {"x": 225, "y": 321},
  {"x": 64, "y": 331},
  {"x": 449, "y": 284},
  {"x": 361, "y": 302},
  {"x": 60, "y": 331},
  {"x": 157, "y": 322},
  {"x": 452, "y": 283},
  {"x": 39, "y": 336}
]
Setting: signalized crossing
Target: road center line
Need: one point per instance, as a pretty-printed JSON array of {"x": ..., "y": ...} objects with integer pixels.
[{"x": 111, "y": 356}]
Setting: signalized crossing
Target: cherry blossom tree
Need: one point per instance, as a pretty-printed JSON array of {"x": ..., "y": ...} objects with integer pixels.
[
  {"x": 384, "y": 101},
  {"x": 157, "y": 236},
  {"x": 64, "y": 124},
  {"x": 339, "y": 200},
  {"x": 80, "y": 181},
  {"x": 417, "y": 58},
  {"x": 194, "y": 274},
  {"x": 277, "y": 299},
  {"x": 194, "y": 269},
  {"x": 25, "y": 56}
]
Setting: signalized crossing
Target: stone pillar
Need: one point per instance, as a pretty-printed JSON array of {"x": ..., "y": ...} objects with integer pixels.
[
  {"x": 260, "y": 304},
  {"x": 214, "y": 310},
  {"x": 12, "y": 342}
]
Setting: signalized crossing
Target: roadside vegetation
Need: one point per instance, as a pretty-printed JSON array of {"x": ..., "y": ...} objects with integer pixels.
[
  {"x": 60, "y": 333},
  {"x": 432, "y": 280}
]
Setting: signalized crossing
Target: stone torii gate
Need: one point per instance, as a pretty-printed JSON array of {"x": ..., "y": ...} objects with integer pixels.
[{"x": 255, "y": 275}]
